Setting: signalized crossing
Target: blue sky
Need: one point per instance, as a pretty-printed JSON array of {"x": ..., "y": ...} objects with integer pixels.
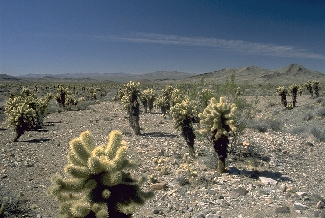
[{"x": 142, "y": 36}]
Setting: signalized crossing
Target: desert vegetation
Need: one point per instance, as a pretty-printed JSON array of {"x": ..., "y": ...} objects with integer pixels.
[{"x": 204, "y": 114}]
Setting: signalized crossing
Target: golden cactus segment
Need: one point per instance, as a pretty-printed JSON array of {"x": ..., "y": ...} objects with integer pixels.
[
  {"x": 96, "y": 177},
  {"x": 218, "y": 118}
]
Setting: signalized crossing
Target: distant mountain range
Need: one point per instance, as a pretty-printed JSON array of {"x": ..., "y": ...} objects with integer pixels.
[{"x": 293, "y": 73}]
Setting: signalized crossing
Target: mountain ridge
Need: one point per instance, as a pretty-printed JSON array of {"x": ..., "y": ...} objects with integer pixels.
[{"x": 293, "y": 73}]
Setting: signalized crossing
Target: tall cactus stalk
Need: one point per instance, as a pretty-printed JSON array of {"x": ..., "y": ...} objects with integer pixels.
[
  {"x": 217, "y": 122},
  {"x": 294, "y": 92},
  {"x": 184, "y": 113},
  {"x": 282, "y": 91},
  {"x": 97, "y": 185},
  {"x": 130, "y": 94}
]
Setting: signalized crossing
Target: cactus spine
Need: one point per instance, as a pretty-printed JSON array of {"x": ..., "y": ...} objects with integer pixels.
[
  {"x": 98, "y": 186},
  {"x": 217, "y": 122},
  {"x": 184, "y": 113}
]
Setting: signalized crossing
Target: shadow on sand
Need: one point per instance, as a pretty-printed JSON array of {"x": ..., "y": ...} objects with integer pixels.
[
  {"x": 255, "y": 174},
  {"x": 159, "y": 134}
]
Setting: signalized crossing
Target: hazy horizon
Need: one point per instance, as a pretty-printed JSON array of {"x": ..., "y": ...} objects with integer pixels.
[{"x": 82, "y": 36}]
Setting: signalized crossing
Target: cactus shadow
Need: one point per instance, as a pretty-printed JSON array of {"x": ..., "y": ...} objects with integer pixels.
[
  {"x": 255, "y": 174},
  {"x": 40, "y": 140},
  {"x": 159, "y": 134}
]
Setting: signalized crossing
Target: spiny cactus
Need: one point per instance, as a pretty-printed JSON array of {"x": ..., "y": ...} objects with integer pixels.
[
  {"x": 316, "y": 88},
  {"x": 147, "y": 98},
  {"x": 294, "y": 91},
  {"x": 217, "y": 122},
  {"x": 98, "y": 186},
  {"x": 203, "y": 97},
  {"x": 176, "y": 96},
  {"x": 130, "y": 94},
  {"x": 184, "y": 114},
  {"x": 309, "y": 87},
  {"x": 282, "y": 91},
  {"x": 26, "y": 111}
]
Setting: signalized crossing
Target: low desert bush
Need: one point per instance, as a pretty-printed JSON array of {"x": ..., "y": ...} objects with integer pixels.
[
  {"x": 263, "y": 125},
  {"x": 318, "y": 133}
]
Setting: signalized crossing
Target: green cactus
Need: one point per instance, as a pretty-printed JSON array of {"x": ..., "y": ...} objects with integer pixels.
[
  {"x": 217, "y": 122},
  {"x": 130, "y": 94},
  {"x": 98, "y": 186},
  {"x": 147, "y": 98},
  {"x": 184, "y": 113},
  {"x": 282, "y": 91},
  {"x": 294, "y": 91}
]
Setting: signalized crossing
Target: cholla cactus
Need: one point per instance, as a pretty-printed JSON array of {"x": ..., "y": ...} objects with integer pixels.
[
  {"x": 130, "y": 100},
  {"x": 148, "y": 97},
  {"x": 184, "y": 113},
  {"x": 26, "y": 111},
  {"x": 282, "y": 91},
  {"x": 217, "y": 122},
  {"x": 203, "y": 97},
  {"x": 98, "y": 186},
  {"x": 294, "y": 91},
  {"x": 20, "y": 115},
  {"x": 176, "y": 96},
  {"x": 163, "y": 103},
  {"x": 309, "y": 87},
  {"x": 316, "y": 88}
]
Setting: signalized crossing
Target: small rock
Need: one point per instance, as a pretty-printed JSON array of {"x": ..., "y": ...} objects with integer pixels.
[
  {"x": 283, "y": 209},
  {"x": 299, "y": 206},
  {"x": 159, "y": 186},
  {"x": 320, "y": 205},
  {"x": 268, "y": 181},
  {"x": 212, "y": 216},
  {"x": 238, "y": 192},
  {"x": 301, "y": 194}
]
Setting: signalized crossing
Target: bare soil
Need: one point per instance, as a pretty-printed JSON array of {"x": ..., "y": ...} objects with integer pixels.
[{"x": 278, "y": 174}]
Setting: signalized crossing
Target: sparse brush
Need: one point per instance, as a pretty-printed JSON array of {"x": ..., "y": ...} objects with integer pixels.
[
  {"x": 184, "y": 114},
  {"x": 97, "y": 185},
  {"x": 217, "y": 122}
]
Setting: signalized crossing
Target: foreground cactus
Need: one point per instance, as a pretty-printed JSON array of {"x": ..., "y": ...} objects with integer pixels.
[
  {"x": 217, "y": 122},
  {"x": 98, "y": 186},
  {"x": 184, "y": 114},
  {"x": 309, "y": 87},
  {"x": 316, "y": 88}
]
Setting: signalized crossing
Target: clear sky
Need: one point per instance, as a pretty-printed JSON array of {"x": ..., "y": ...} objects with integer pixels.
[{"x": 142, "y": 36}]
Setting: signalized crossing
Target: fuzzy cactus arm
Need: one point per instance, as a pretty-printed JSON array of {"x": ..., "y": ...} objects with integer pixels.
[{"x": 97, "y": 183}]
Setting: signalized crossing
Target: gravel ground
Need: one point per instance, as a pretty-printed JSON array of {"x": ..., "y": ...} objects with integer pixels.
[{"x": 277, "y": 175}]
